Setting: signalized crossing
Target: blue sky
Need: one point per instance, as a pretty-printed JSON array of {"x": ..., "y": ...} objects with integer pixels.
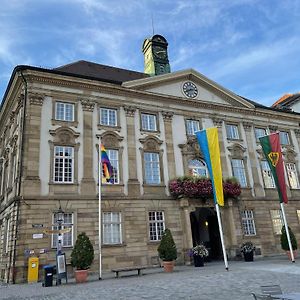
[{"x": 249, "y": 46}]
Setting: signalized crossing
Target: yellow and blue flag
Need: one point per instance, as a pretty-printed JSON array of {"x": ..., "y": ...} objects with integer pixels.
[{"x": 209, "y": 144}]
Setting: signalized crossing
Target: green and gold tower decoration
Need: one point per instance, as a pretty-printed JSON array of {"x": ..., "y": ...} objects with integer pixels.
[{"x": 155, "y": 51}]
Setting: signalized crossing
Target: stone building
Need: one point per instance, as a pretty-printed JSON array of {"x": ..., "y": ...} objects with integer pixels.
[{"x": 51, "y": 121}]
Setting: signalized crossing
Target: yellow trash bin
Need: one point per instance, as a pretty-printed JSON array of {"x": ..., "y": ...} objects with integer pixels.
[{"x": 33, "y": 269}]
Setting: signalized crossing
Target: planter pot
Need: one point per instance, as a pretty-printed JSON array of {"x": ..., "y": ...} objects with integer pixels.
[
  {"x": 248, "y": 256},
  {"x": 289, "y": 254},
  {"x": 81, "y": 276},
  {"x": 198, "y": 261},
  {"x": 168, "y": 266}
]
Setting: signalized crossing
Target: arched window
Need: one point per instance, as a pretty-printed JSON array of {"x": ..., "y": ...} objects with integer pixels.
[{"x": 197, "y": 168}]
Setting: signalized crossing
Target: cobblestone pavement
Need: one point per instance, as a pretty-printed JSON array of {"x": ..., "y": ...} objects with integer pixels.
[{"x": 186, "y": 282}]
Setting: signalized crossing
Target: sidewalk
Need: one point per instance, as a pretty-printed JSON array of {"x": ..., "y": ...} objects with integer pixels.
[{"x": 187, "y": 282}]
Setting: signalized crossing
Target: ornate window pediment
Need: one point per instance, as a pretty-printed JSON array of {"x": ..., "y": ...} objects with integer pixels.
[
  {"x": 111, "y": 139},
  {"x": 151, "y": 143},
  {"x": 64, "y": 136},
  {"x": 237, "y": 150}
]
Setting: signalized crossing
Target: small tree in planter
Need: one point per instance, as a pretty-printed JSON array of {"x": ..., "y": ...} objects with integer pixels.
[
  {"x": 284, "y": 241},
  {"x": 167, "y": 250},
  {"x": 82, "y": 256}
]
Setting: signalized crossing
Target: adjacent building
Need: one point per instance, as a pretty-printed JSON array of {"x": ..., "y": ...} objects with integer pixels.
[{"x": 51, "y": 122}]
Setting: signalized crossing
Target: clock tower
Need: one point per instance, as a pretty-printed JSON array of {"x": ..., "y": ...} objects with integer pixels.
[{"x": 156, "y": 55}]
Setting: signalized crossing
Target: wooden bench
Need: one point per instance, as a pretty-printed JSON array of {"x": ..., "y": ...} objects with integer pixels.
[{"x": 128, "y": 269}]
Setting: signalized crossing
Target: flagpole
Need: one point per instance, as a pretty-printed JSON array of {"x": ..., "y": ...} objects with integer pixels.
[
  {"x": 221, "y": 235},
  {"x": 99, "y": 212},
  {"x": 287, "y": 231}
]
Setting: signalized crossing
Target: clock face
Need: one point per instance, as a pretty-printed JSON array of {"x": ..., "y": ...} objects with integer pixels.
[
  {"x": 159, "y": 52},
  {"x": 190, "y": 89}
]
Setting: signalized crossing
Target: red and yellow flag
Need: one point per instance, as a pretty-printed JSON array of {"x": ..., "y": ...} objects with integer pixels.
[{"x": 272, "y": 150}]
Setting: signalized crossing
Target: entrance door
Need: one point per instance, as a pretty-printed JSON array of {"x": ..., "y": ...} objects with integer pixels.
[{"x": 204, "y": 226}]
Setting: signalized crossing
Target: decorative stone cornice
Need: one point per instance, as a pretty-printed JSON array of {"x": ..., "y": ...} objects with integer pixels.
[
  {"x": 36, "y": 99},
  {"x": 247, "y": 125},
  {"x": 130, "y": 111},
  {"x": 87, "y": 105},
  {"x": 167, "y": 116},
  {"x": 273, "y": 128},
  {"x": 217, "y": 121}
]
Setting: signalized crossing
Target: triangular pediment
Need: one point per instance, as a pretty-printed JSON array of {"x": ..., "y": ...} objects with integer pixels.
[{"x": 172, "y": 85}]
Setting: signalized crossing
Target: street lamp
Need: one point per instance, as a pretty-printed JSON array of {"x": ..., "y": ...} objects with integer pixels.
[{"x": 59, "y": 221}]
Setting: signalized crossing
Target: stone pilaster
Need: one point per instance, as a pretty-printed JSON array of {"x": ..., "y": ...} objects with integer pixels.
[
  {"x": 257, "y": 187},
  {"x": 168, "y": 116},
  {"x": 186, "y": 222},
  {"x": 218, "y": 123},
  {"x": 88, "y": 185},
  {"x": 133, "y": 183},
  {"x": 31, "y": 159}
]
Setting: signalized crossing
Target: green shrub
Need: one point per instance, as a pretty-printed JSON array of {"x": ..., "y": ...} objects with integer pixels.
[
  {"x": 167, "y": 249},
  {"x": 82, "y": 254},
  {"x": 284, "y": 240}
]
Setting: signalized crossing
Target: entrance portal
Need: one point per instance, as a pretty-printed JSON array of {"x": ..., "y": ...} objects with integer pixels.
[{"x": 205, "y": 229}]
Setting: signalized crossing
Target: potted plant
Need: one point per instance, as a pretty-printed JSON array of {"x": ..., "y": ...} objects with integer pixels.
[
  {"x": 167, "y": 250},
  {"x": 82, "y": 257},
  {"x": 248, "y": 249},
  {"x": 285, "y": 244},
  {"x": 198, "y": 253}
]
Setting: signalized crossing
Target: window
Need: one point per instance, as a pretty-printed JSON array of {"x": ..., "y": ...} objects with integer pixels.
[
  {"x": 112, "y": 228},
  {"x": 276, "y": 220},
  {"x": 7, "y": 236},
  {"x": 292, "y": 175},
  {"x": 64, "y": 111},
  {"x": 192, "y": 126},
  {"x": 108, "y": 117},
  {"x": 197, "y": 168},
  {"x": 152, "y": 168},
  {"x": 238, "y": 171},
  {"x": 63, "y": 164},
  {"x": 232, "y": 132},
  {"x": 260, "y": 132},
  {"x": 248, "y": 222},
  {"x": 67, "y": 222},
  {"x": 148, "y": 122},
  {"x": 267, "y": 175},
  {"x": 298, "y": 215},
  {"x": 284, "y": 138},
  {"x": 156, "y": 225},
  {"x": 113, "y": 156}
]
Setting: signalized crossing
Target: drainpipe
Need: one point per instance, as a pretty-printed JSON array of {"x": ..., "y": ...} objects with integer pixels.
[{"x": 20, "y": 171}]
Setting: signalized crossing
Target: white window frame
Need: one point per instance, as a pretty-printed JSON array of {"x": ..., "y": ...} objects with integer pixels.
[
  {"x": 62, "y": 161},
  {"x": 284, "y": 138},
  {"x": 259, "y": 132},
  {"x": 148, "y": 122},
  {"x": 239, "y": 172},
  {"x": 248, "y": 223},
  {"x": 111, "y": 229},
  {"x": 277, "y": 222},
  {"x": 63, "y": 114},
  {"x": 197, "y": 168},
  {"x": 65, "y": 236},
  {"x": 298, "y": 215},
  {"x": 152, "y": 168},
  {"x": 232, "y": 132},
  {"x": 267, "y": 175},
  {"x": 192, "y": 126},
  {"x": 292, "y": 175},
  {"x": 110, "y": 117},
  {"x": 156, "y": 225}
]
